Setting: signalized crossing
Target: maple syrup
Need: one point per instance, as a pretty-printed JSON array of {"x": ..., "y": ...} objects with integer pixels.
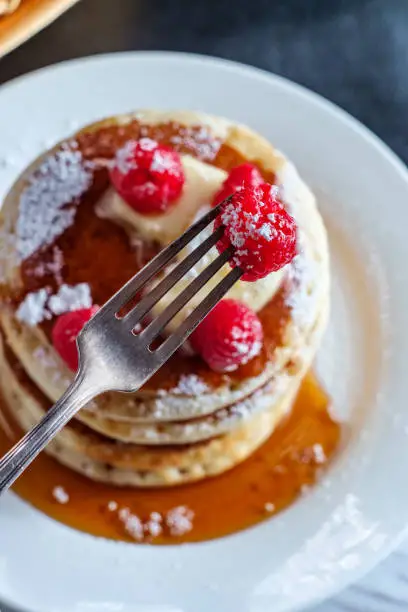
[{"x": 266, "y": 483}]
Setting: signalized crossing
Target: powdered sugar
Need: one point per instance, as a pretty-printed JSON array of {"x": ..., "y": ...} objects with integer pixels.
[
  {"x": 39, "y": 306},
  {"x": 231, "y": 217},
  {"x": 47, "y": 204},
  {"x": 200, "y": 140},
  {"x": 124, "y": 160},
  {"x": 32, "y": 309},
  {"x": 153, "y": 526},
  {"x": 303, "y": 298},
  {"x": 319, "y": 454},
  {"x": 179, "y": 520},
  {"x": 246, "y": 349},
  {"x": 243, "y": 225},
  {"x": 132, "y": 524},
  {"x": 147, "y": 144},
  {"x": 244, "y": 345},
  {"x": 220, "y": 421},
  {"x": 244, "y": 409},
  {"x": 266, "y": 231},
  {"x": 69, "y": 298},
  {"x": 190, "y": 384},
  {"x": 60, "y": 495},
  {"x": 146, "y": 189},
  {"x": 48, "y": 361},
  {"x": 162, "y": 162}
]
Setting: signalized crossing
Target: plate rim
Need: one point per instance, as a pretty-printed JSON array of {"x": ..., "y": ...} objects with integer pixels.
[{"x": 232, "y": 65}]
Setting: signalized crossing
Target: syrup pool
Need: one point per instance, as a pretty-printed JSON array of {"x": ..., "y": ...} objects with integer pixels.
[{"x": 289, "y": 462}]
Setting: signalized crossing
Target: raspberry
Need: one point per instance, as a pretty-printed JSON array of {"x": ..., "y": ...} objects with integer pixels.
[
  {"x": 65, "y": 332},
  {"x": 260, "y": 229},
  {"x": 147, "y": 175},
  {"x": 229, "y": 336},
  {"x": 245, "y": 174}
]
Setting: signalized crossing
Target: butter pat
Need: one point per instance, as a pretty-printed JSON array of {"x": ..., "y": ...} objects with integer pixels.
[{"x": 202, "y": 182}]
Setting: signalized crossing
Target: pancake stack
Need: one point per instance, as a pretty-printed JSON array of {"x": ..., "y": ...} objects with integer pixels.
[{"x": 68, "y": 243}]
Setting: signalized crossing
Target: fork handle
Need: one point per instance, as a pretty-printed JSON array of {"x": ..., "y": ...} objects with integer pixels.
[{"x": 22, "y": 454}]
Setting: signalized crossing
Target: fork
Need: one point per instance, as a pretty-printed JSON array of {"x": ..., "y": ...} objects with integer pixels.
[{"x": 112, "y": 356}]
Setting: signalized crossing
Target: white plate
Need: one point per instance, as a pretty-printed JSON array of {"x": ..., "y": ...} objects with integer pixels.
[{"x": 345, "y": 525}]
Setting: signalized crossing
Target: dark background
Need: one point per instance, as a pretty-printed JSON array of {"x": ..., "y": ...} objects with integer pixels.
[{"x": 354, "y": 52}]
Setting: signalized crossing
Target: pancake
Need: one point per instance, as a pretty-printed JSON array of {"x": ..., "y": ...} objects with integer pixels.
[
  {"x": 103, "y": 459},
  {"x": 219, "y": 422},
  {"x": 69, "y": 241},
  {"x": 185, "y": 388}
]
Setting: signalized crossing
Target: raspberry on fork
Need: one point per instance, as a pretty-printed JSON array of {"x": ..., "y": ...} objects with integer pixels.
[
  {"x": 243, "y": 175},
  {"x": 65, "y": 332},
  {"x": 261, "y": 231},
  {"x": 229, "y": 336},
  {"x": 149, "y": 176}
]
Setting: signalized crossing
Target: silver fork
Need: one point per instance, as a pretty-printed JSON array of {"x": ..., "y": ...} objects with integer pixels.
[{"x": 111, "y": 356}]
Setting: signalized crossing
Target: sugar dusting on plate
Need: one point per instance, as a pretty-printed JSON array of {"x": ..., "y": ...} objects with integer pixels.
[
  {"x": 177, "y": 522},
  {"x": 60, "y": 495}
]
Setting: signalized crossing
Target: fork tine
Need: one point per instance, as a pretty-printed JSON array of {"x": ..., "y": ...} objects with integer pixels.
[
  {"x": 148, "y": 301},
  {"x": 168, "y": 347},
  {"x": 157, "y": 325},
  {"x": 136, "y": 283}
]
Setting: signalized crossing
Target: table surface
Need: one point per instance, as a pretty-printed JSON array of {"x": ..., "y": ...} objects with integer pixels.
[{"x": 353, "y": 52}]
